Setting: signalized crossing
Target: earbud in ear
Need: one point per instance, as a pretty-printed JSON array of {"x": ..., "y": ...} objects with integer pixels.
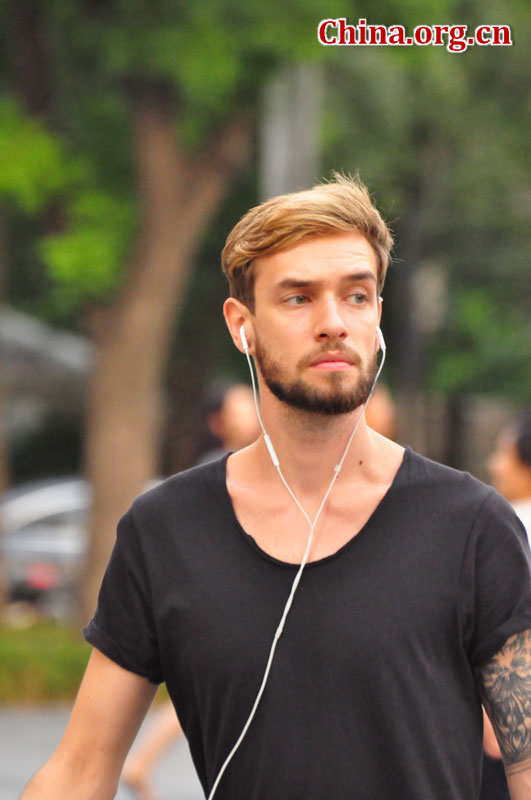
[
  {"x": 243, "y": 338},
  {"x": 381, "y": 339}
]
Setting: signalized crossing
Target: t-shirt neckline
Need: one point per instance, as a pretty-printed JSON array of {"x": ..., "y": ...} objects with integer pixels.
[{"x": 251, "y": 542}]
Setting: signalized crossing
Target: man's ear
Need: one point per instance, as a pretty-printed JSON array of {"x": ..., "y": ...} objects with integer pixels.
[{"x": 237, "y": 314}]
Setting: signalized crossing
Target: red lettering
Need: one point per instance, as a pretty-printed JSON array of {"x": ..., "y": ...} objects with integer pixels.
[
  {"x": 505, "y": 29},
  {"x": 423, "y": 34},
  {"x": 456, "y": 39},
  {"x": 339, "y": 32},
  {"x": 397, "y": 35},
  {"x": 322, "y": 31},
  {"x": 377, "y": 34},
  {"x": 361, "y": 31},
  {"x": 439, "y": 30},
  {"x": 479, "y": 34},
  {"x": 343, "y": 30}
]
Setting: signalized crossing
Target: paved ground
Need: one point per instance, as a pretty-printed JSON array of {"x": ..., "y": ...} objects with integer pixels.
[{"x": 28, "y": 737}]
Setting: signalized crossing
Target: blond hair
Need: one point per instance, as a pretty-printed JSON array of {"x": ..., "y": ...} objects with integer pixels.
[{"x": 342, "y": 205}]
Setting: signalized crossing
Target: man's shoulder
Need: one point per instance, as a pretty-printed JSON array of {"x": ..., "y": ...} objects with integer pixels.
[
  {"x": 455, "y": 498},
  {"x": 426, "y": 475}
]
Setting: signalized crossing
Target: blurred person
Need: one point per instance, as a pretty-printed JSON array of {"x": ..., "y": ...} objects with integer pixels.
[
  {"x": 362, "y": 675},
  {"x": 138, "y": 769},
  {"x": 510, "y": 469},
  {"x": 380, "y": 413},
  {"x": 231, "y": 423}
]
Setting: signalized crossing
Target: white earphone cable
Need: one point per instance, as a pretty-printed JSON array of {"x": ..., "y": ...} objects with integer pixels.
[{"x": 306, "y": 555}]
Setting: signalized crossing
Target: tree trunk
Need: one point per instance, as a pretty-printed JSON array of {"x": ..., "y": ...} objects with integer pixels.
[
  {"x": 28, "y": 51},
  {"x": 178, "y": 196},
  {"x": 408, "y": 340}
]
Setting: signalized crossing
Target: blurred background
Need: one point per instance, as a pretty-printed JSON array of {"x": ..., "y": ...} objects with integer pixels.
[{"x": 132, "y": 138}]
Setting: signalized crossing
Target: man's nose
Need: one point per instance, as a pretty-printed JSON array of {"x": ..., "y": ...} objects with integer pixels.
[{"x": 329, "y": 321}]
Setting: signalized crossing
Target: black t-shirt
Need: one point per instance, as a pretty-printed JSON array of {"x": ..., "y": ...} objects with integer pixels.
[{"x": 372, "y": 694}]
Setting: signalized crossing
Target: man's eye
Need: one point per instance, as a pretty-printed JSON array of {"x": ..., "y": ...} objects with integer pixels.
[
  {"x": 296, "y": 300},
  {"x": 357, "y": 298}
]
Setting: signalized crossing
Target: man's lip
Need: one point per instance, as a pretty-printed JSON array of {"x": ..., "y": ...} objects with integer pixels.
[{"x": 330, "y": 357}]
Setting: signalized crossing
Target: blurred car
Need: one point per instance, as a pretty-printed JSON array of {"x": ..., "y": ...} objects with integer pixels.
[{"x": 43, "y": 542}]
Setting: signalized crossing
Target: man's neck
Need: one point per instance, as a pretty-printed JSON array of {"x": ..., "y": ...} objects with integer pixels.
[{"x": 310, "y": 445}]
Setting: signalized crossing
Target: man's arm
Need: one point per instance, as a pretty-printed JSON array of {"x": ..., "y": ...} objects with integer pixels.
[
  {"x": 108, "y": 711},
  {"x": 505, "y": 685}
]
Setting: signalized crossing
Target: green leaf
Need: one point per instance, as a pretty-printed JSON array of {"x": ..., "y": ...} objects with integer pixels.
[
  {"x": 36, "y": 167},
  {"x": 86, "y": 260}
]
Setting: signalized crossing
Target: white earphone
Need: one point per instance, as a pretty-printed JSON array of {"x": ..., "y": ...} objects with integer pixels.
[{"x": 243, "y": 337}]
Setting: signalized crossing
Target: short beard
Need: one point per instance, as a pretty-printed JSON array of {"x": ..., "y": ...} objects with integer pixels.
[{"x": 298, "y": 394}]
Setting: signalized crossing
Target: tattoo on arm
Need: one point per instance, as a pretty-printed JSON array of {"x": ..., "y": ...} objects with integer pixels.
[{"x": 505, "y": 685}]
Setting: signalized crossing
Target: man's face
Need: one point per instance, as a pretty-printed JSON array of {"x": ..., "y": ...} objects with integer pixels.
[{"x": 316, "y": 310}]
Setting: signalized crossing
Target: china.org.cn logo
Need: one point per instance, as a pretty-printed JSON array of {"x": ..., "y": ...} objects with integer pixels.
[{"x": 456, "y": 38}]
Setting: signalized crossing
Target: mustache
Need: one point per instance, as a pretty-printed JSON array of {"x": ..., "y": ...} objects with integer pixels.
[{"x": 329, "y": 348}]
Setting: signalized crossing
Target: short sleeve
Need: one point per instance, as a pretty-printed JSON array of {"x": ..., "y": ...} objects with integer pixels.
[
  {"x": 495, "y": 581},
  {"x": 123, "y": 626}
]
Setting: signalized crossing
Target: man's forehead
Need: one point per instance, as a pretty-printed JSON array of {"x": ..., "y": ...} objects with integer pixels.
[{"x": 342, "y": 255}]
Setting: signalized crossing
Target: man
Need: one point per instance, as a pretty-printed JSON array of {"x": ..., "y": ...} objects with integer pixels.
[
  {"x": 405, "y": 613},
  {"x": 510, "y": 468}
]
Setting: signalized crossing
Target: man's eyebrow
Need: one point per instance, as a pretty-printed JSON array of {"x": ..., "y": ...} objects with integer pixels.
[
  {"x": 360, "y": 276},
  {"x": 301, "y": 283}
]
